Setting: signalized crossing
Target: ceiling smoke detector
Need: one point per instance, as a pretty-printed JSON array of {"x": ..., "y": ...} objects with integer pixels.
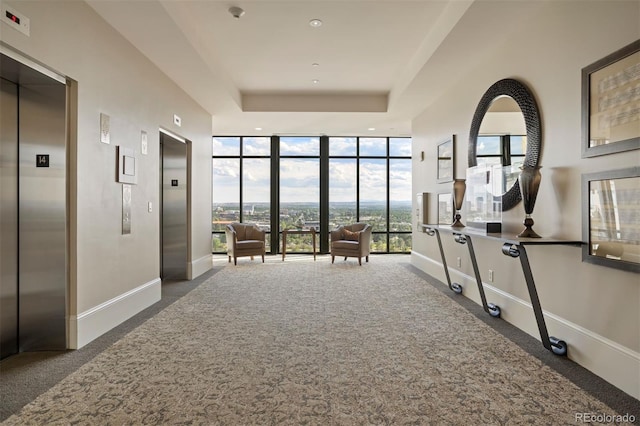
[{"x": 236, "y": 12}]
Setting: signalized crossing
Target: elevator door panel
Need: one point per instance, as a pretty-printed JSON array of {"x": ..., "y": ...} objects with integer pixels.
[
  {"x": 174, "y": 208},
  {"x": 8, "y": 218},
  {"x": 42, "y": 206}
]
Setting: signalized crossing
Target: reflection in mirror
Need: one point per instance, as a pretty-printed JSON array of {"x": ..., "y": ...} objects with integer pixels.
[
  {"x": 506, "y": 146},
  {"x": 611, "y": 227},
  {"x": 502, "y": 140}
]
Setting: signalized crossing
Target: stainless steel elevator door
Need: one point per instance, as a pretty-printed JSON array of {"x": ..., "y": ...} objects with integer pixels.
[
  {"x": 8, "y": 218},
  {"x": 174, "y": 208},
  {"x": 42, "y": 221},
  {"x": 34, "y": 210}
]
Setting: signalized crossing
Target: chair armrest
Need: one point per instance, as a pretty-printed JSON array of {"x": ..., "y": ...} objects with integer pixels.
[
  {"x": 231, "y": 236},
  {"x": 364, "y": 237}
]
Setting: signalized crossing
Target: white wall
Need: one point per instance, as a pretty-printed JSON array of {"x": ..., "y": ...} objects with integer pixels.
[
  {"x": 113, "y": 276},
  {"x": 545, "y": 45}
]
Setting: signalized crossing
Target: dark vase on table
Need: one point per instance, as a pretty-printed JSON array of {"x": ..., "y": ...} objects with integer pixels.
[
  {"x": 459, "y": 188},
  {"x": 529, "y": 184}
]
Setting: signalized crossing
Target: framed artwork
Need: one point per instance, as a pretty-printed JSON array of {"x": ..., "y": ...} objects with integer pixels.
[
  {"x": 610, "y": 104},
  {"x": 445, "y": 208},
  {"x": 610, "y": 219},
  {"x": 445, "y": 165}
]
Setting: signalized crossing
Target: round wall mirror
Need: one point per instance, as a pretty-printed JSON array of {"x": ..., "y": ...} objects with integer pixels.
[{"x": 506, "y": 131}]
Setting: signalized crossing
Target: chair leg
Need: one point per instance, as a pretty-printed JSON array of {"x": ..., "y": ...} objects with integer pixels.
[
  {"x": 229, "y": 259},
  {"x": 263, "y": 258},
  {"x": 235, "y": 260},
  {"x": 367, "y": 258},
  {"x": 345, "y": 258},
  {"x": 332, "y": 259},
  {"x": 251, "y": 257},
  {"x": 360, "y": 261}
]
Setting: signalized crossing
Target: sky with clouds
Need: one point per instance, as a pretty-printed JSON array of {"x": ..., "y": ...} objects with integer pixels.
[{"x": 300, "y": 177}]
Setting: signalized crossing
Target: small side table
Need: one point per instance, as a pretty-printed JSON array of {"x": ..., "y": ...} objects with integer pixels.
[{"x": 311, "y": 231}]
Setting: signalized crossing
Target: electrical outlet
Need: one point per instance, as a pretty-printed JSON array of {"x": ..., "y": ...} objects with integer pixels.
[
  {"x": 491, "y": 275},
  {"x": 459, "y": 262}
]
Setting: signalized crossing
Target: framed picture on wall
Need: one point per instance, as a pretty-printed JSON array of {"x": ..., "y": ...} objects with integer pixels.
[
  {"x": 445, "y": 166},
  {"x": 610, "y": 219},
  {"x": 610, "y": 103},
  {"x": 445, "y": 209}
]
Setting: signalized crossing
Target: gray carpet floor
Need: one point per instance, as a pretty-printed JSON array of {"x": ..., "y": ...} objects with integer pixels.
[{"x": 305, "y": 342}]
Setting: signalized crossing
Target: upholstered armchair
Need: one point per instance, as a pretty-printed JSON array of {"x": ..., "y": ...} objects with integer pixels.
[
  {"x": 244, "y": 239},
  {"x": 351, "y": 241}
]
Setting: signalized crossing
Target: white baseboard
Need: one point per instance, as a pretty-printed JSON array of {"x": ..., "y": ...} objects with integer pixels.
[
  {"x": 613, "y": 362},
  {"x": 199, "y": 266},
  {"x": 93, "y": 323}
]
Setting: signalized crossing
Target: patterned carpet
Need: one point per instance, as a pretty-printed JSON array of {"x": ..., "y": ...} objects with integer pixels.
[{"x": 304, "y": 342}]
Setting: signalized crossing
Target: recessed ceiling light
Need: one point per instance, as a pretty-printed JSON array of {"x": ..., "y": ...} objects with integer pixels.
[
  {"x": 258, "y": 128},
  {"x": 315, "y": 23},
  {"x": 315, "y": 64},
  {"x": 315, "y": 81},
  {"x": 236, "y": 11},
  {"x": 371, "y": 129}
]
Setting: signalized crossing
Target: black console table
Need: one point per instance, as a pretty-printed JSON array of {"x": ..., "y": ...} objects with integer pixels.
[{"x": 512, "y": 246}]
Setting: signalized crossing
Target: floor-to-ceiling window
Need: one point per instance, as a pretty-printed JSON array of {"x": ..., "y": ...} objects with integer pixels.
[
  {"x": 241, "y": 185},
  {"x": 400, "y": 195},
  {"x": 370, "y": 181},
  {"x": 299, "y": 193},
  {"x": 367, "y": 179}
]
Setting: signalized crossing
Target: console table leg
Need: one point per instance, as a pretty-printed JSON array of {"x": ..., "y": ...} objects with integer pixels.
[
  {"x": 455, "y": 287},
  {"x": 557, "y": 346},
  {"x": 284, "y": 244},
  {"x": 490, "y": 308}
]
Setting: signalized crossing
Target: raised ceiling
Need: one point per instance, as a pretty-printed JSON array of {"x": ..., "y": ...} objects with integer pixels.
[{"x": 258, "y": 71}]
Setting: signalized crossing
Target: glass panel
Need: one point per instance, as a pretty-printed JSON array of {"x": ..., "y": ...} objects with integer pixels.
[
  {"x": 256, "y": 189},
  {"x": 342, "y": 147},
  {"x": 400, "y": 195},
  {"x": 342, "y": 192},
  {"x": 518, "y": 145},
  {"x": 300, "y": 146},
  {"x": 400, "y": 147},
  {"x": 226, "y": 146},
  {"x": 400, "y": 243},
  {"x": 379, "y": 243},
  {"x": 488, "y": 145},
  {"x": 219, "y": 243},
  {"x": 256, "y": 146},
  {"x": 373, "y": 147},
  {"x": 373, "y": 193},
  {"x": 226, "y": 192},
  {"x": 299, "y": 193}
]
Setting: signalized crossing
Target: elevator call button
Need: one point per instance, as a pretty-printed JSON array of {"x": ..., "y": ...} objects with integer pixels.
[
  {"x": 174, "y": 182},
  {"x": 42, "y": 160}
]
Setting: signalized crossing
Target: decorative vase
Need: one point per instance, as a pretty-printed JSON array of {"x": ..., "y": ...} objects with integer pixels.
[
  {"x": 529, "y": 184},
  {"x": 459, "y": 188}
]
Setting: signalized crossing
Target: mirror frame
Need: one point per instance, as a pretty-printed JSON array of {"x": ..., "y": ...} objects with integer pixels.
[{"x": 527, "y": 103}]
